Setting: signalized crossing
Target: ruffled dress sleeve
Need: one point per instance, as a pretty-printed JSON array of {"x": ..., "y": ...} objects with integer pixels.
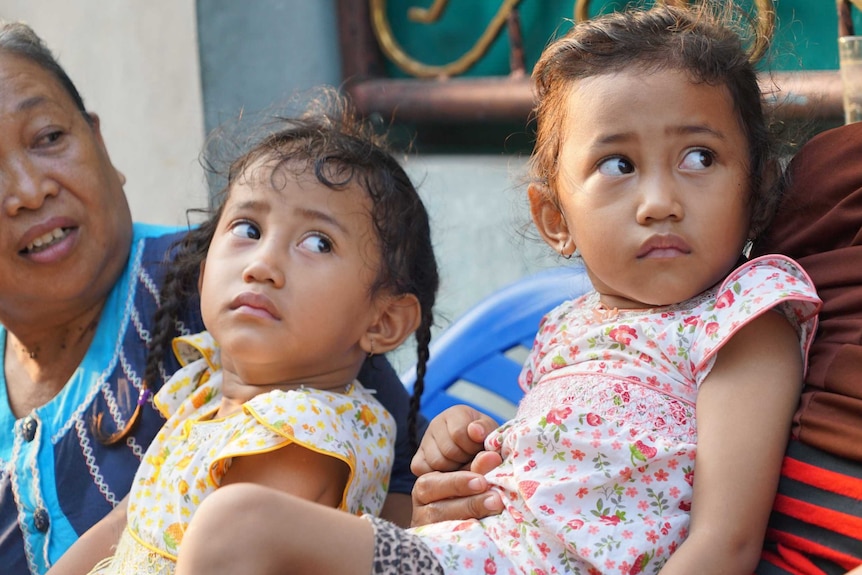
[
  {"x": 352, "y": 427},
  {"x": 772, "y": 282}
]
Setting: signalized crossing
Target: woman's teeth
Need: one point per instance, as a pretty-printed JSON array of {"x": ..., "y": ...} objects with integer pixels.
[{"x": 47, "y": 240}]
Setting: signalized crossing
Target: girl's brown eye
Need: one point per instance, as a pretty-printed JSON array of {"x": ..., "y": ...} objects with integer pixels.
[
  {"x": 697, "y": 160},
  {"x": 246, "y": 230},
  {"x": 317, "y": 243},
  {"x": 616, "y": 166}
]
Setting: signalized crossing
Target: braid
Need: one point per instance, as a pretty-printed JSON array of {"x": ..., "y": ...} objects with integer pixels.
[
  {"x": 163, "y": 332},
  {"x": 423, "y": 338},
  {"x": 179, "y": 287}
]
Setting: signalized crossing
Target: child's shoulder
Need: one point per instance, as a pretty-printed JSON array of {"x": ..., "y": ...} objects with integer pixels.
[
  {"x": 771, "y": 267},
  {"x": 768, "y": 280},
  {"x": 319, "y": 417}
]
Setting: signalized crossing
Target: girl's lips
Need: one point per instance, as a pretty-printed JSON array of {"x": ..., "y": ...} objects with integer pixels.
[
  {"x": 663, "y": 246},
  {"x": 257, "y": 303}
]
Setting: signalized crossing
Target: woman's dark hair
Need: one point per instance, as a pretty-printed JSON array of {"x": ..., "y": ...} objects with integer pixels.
[
  {"x": 19, "y": 39},
  {"x": 701, "y": 41},
  {"x": 331, "y": 142}
]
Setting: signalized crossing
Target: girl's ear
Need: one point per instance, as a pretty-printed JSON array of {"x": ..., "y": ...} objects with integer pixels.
[
  {"x": 549, "y": 220},
  {"x": 398, "y": 317}
]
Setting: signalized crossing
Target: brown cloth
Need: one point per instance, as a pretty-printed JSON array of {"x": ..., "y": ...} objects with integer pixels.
[{"x": 818, "y": 225}]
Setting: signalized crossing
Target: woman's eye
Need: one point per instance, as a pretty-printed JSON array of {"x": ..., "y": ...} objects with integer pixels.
[
  {"x": 317, "y": 243},
  {"x": 49, "y": 138},
  {"x": 616, "y": 167},
  {"x": 697, "y": 160},
  {"x": 245, "y": 230}
]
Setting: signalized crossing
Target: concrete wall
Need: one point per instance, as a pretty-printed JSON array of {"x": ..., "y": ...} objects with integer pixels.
[
  {"x": 262, "y": 53},
  {"x": 136, "y": 65}
]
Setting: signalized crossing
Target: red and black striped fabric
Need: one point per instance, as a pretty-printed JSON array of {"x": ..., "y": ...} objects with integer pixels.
[{"x": 816, "y": 522}]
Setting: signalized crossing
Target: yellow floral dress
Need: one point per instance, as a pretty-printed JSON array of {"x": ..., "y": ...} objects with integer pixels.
[{"x": 193, "y": 451}]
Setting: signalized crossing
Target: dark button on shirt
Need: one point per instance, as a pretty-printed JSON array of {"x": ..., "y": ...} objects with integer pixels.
[
  {"x": 28, "y": 428},
  {"x": 41, "y": 520}
]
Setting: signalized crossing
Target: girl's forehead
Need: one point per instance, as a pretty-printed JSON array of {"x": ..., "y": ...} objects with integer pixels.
[{"x": 272, "y": 180}]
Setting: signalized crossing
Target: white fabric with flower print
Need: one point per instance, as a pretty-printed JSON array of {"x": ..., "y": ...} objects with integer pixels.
[{"x": 598, "y": 462}]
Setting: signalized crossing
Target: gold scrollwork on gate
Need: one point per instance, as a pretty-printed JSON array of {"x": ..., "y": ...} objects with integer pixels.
[{"x": 393, "y": 50}]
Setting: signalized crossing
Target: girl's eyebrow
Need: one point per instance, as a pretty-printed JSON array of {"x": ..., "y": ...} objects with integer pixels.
[
  {"x": 696, "y": 129},
  {"x": 687, "y": 129},
  {"x": 313, "y": 214},
  {"x": 613, "y": 138},
  {"x": 306, "y": 213},
  {"x": 249, "y": 206}
]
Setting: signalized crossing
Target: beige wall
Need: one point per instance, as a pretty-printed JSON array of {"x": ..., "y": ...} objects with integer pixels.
[{"x": 135, "y": 63}]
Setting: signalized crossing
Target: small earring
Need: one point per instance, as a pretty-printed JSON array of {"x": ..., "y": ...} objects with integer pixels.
[
  {"x": 563, "y": 250},
  {"x": 746, "y": 249},
  {"x": 371, "y": 353}
]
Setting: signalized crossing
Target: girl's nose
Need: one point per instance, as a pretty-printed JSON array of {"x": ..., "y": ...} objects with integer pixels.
[
  {"x": 659, "y": 200},
  {"x": 23, "y": 186},
  {"x": 264, "y": 267}
]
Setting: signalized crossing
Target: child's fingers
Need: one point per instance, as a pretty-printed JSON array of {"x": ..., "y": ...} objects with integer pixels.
[{"x": 449, "y": 441}]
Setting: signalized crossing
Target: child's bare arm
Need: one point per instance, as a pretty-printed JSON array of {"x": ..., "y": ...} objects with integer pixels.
[
  {"x": 744, "y": 410},
  {"x": 296, "y": 470},
  {"x": 96, "y": 544}
]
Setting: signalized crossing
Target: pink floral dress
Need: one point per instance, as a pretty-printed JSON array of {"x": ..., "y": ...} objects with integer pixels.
[
  {"x": 191, "y": 454},
  {"x": 599, "y": 458}
]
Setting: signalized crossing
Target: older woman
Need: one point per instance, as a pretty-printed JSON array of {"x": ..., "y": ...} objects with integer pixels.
[{"x": 79, "y": 283}]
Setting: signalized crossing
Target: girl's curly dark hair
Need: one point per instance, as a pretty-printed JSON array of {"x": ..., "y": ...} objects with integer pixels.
[{"x": 331, "y": 142}]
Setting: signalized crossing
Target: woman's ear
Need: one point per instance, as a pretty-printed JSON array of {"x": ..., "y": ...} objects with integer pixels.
[
  {"x": 398, "y": 317},
  {"x": 549, "y": 220}
]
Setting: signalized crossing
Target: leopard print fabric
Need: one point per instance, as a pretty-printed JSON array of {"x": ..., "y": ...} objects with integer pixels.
[{"x": 397, "y": 552}]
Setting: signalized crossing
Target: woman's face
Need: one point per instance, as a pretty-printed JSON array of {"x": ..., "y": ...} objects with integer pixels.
[{"x": 65, "y": 225}]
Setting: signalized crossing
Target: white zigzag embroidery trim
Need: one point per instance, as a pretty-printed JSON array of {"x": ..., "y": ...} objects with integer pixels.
[
  {"x": 148, "y": 282},
  {"x": 142, "y": 332},
  {"x": 35, "y": 503},
  {"x": 40, "y": 502},
  {"x": 95, "y": 473},
  {"x": 16, "y": 493}
]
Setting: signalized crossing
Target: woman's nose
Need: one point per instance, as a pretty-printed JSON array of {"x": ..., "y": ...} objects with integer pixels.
[{"x": 23, "y": 186}]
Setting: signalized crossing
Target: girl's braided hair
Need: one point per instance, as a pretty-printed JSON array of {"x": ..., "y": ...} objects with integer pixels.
[{"x": 331, "y": 142}]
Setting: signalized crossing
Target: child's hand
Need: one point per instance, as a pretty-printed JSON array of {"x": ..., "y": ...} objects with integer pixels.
[
  {"x": 453, "y": 438},
  {"x": 454, "y": 443}
]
